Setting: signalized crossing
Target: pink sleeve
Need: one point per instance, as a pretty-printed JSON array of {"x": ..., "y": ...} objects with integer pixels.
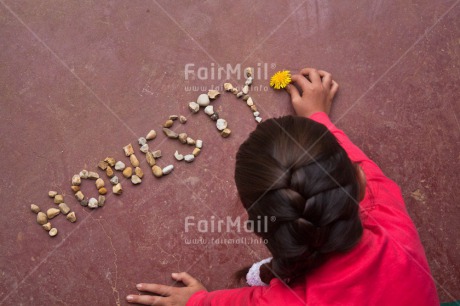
[
  {"x": 241, "y": 296},
  {"x": 276, "y": 293},
  {"x": 355, "y": 153},
  {"x": 383, "y": 189}
]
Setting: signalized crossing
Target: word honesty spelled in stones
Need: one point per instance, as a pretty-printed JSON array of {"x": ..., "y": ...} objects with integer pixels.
[{"x": 133, "y": 171}]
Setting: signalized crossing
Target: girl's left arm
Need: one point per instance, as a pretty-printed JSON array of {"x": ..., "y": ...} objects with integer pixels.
[
  {"x": 194, "y": 294},
  {"x": 277, "y": 293}
]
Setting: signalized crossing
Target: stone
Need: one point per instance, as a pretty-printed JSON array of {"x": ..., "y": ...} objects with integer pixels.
[
  {"x": 128, "y": 149},
  {"x": 101, "y": 201},
  {"x": 135, "y": 179},
  {"x": 221, "y": 124},
  {"x": 254, "y": 108},
  {"x": 246, "y": 97},
  {"x": 59, "y": 198},
  {"x": 256, "y": 114},
  {"x": 71, "y": 217},
  {"x": 138, "y": 171},
  {"x": 170, "y": 133},
  {"x": 76, "y": 180},
  {"x": 209, "y": 110},
  {"x": 182, "y": 119},
  {"x": 79, "y": 196},
  {"x": 199, "y": 144},
  {"x": 173, "y": 117},
  {"x": 110, "y": 161},
  {"x": 42, "y": 218},
  {"x": 144, "y": 148},
  {"x": 225, "y": 133},
  {"x": 102, "y": 190},
  {"x": 196, "y": 152},
  {"x": 248, "y": 72},
  {"x": 245, "y": 89},
  {"x": 169, "y": 123},
  {"x": 120, "y": 166},
  {"x": 150, "y": 159},
  {"x": 189, "y": 158},
  {"x": 53, "y": 232},
  {"x": 47, "y": 226},
  {"x": 168, "y": 169},
  {"x": 151, "y": 135},
  {"x": 64, "y": 208},
  {"x": 34, "y": 208},
  {"x": 114, "y": 180},
  {"x": 75, "y": 188},
  {"x": 235, "y": 91},
  {"x": 93, "y": 175},
  {"x": 194, "y": 107},
  {"x": 99, "y": 183},
  {"x": 239, "y": 94},
  {"x": 157, "y": 172},
  {"x": 109, "y": 171},
  {"x": 190, "y": 141},
  {"x": 212, "y": 94},
  {"x": 215, "y": 116},
  {"x": 250, "y": 102},
  {"x": 178, "y": 156},
  {"x": 128, "y": 172},
  {"x": 141, "y": 141},
  {"x": 183, "y": 137},
  {"x": 102, "y": 165},
  {"x": 156, "y": 154},
  {"x": 84, "y": 202},
  {"x": 258, "y": 119},
  {"x": 93, "y": 203},
  {"x": 134, "y": 161},
  {"x": 52, "y": 212},
  {"x": 84, "y": 174},
  {"x": 248, "y": 81},
  {"x": 203, "y": 100},
  {"x": 117, "y": 189},
  {"x": 52, "y": 193},
  {"x": 228, "y": 86}
]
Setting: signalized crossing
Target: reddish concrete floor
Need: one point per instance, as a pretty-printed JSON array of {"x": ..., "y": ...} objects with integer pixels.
[{"x": 81, "y": 79}]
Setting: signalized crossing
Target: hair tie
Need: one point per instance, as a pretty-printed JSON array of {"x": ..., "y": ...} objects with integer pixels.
[{"x": 253, "y": 276}]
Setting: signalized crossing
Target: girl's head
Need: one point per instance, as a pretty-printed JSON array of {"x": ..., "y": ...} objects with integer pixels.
[{"x": 293, "y": 169}]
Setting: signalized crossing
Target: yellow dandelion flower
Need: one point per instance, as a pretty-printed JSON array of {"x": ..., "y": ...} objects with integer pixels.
[{"x": 280, "y": 79}]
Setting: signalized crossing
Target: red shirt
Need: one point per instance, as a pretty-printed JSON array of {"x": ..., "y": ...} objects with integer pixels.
[{"x": 387, "y": 267}]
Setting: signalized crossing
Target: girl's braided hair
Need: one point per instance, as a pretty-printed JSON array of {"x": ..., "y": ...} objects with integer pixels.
[{"x": 294, "y": 169}]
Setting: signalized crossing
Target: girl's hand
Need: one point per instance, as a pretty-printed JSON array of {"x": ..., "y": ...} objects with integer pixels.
[
  {"x": 167, "y": 295},
  {"x": 318, "y": 91}
]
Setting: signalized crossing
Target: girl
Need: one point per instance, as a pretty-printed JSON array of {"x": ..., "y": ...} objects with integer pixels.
[{"x": 342, "y": 235}]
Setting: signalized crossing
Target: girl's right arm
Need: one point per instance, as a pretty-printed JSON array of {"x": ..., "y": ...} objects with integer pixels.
[{"x": 315, "y": 102}]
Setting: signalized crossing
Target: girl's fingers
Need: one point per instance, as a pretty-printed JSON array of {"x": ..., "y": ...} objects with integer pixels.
[
  {"x": 334, "y": 88},
  {"x": 312, "y": 74},
  {"x": 155, "y": 288},
  {"x": 145, "y": 299},
  {"x": 292, "y": 90},
  {"x": 327, "y": 78},
  {"x": 184, "y": 277},
  {"x": 301, "y": 80}
]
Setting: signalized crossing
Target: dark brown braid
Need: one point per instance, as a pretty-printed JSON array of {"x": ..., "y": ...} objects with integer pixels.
[{"x": 294, "y": 169}]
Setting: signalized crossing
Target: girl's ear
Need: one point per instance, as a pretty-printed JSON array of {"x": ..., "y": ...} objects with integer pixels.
[{"x": 361, "y": 181}]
